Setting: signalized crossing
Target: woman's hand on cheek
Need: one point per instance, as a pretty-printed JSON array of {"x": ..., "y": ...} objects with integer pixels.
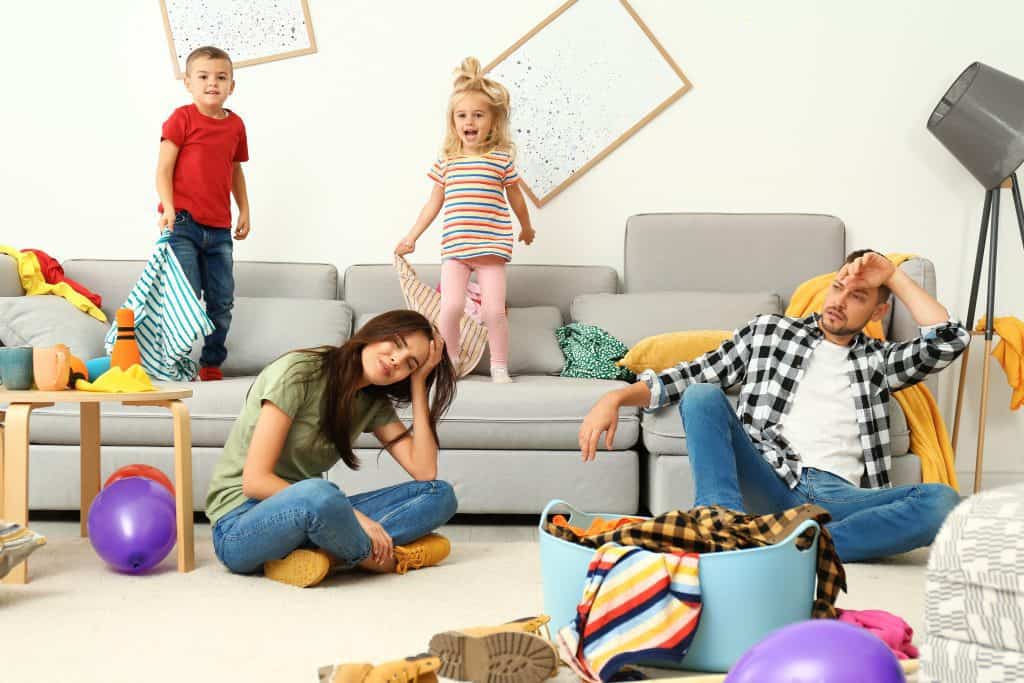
[{"x": 436, "y": 353}]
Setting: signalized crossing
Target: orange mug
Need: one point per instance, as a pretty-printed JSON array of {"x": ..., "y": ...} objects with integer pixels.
[{"x": 51, "y": 367}]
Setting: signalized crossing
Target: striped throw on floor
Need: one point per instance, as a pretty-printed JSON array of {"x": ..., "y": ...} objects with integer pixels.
[
  {"x": 168, "y": 317},
  {"x": 637, "y": 606},
  {"x": 426, "y": 300}
]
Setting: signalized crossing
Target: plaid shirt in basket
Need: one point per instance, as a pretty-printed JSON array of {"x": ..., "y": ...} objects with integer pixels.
[
  {"x": 768, "y": 355},
  {"x": 713, "y": 529}
]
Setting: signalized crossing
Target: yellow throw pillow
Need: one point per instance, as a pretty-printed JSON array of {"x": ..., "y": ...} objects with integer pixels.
[{"x": 666, "y": 350}]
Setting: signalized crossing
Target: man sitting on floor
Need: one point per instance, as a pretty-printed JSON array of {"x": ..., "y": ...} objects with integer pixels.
[{"x": 812, "y": 420}]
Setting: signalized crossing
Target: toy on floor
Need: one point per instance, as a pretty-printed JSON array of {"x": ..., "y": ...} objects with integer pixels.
[
  {"x": 16, "y": 544},
  {"x": 818, "y": 650},
  {"x": 132, "y": 524},
  {"x": 140, "y": 470}
]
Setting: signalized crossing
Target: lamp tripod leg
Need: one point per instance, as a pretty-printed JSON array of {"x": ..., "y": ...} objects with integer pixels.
[
  {"x": 989, "y": 313},
  {"x": 971, "y": 306}
]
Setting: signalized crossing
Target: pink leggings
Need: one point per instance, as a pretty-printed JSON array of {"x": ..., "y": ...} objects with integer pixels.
[{"x": 491, "y": 278}]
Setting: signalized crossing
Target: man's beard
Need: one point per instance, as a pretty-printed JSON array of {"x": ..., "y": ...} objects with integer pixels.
[{"x": 839, "y": 330}]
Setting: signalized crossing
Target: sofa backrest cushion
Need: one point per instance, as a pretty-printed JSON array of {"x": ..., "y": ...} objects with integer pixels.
[
  {"x": 533, "y": 349},
  {"x": 374, "y": 288},
  {"x": 114, "y": 279},
  {"x": 730, "y": 252},
  {"x": 47, "y": 320},
  {"x": 264, "y": 328},
  {"x": 10, "y": 283},
  {"x": 632, "y": 317}
]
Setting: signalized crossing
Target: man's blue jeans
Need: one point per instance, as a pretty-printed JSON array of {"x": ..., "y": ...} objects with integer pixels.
[
  {"x": 315, "y": 512},
  {"x": 728, "y": 470},
  {"x": 206, "y": 256}
]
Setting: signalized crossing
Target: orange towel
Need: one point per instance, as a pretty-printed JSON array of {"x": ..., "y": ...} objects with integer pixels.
[
  {"x": 929, "y": 439},
  {"x": 1010, "y": 354}
]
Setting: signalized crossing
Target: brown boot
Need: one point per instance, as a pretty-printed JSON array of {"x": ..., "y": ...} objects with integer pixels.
[
  {"x": 508, "y": 653},
  {"x": 419, "y": 669}
]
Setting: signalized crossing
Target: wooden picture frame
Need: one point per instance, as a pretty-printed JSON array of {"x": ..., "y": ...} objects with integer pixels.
[
  {"x": 508, "y": 68},
  {"x": 237, "y": 45}
]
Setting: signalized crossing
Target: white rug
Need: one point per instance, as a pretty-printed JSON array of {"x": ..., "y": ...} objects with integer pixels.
[{"x": 79, "y": 621}]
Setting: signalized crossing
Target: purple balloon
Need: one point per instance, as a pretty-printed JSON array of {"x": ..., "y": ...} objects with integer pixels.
[
  {"x": 818, "y": 651},
  {"x": 132, "y": 524}
]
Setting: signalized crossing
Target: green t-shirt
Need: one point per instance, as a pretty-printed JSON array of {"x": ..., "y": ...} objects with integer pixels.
[{"x": 306, "y": 454}]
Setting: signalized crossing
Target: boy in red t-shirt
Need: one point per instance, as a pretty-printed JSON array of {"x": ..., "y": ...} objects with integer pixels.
[{"x": 202, "y": 148}]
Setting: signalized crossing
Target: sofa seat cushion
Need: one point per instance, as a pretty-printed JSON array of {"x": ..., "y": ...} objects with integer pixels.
[
  {"x": 535, "y": 412},
  {"x": 213, "y": 408},
  {"x": 663, "y": 431}
]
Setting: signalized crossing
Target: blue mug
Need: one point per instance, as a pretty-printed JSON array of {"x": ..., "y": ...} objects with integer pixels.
[{"x": 16, "y": 367}]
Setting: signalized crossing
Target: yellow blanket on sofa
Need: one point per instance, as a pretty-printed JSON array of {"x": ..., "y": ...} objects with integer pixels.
[{"x": 929, "y": 439}]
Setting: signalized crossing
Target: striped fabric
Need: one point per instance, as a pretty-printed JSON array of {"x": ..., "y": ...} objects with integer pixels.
[
  {"x": 637, "y": 605},
  {"x": 426, "y": 300},
  {"x": 16, "y": 544},
  {"x": 168, "y": 317},
  {"x": 476, "y": 217}
]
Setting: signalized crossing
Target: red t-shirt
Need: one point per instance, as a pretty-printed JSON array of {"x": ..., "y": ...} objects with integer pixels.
[{"x": 207, "y": 150}]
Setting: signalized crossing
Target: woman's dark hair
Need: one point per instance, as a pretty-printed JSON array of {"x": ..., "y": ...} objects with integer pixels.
[{"x": 343, "y": 368}]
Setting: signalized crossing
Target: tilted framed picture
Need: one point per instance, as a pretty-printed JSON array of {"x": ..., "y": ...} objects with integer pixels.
[{"x": 581, "y": 83}]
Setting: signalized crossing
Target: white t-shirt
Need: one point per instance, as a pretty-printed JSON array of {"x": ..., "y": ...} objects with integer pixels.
[{"x": 821, "y": 424}]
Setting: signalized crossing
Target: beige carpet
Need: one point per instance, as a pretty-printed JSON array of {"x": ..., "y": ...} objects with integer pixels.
[{"x": 78, "y": 621}]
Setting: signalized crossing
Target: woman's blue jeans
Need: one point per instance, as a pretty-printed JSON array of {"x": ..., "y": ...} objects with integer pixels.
[
  {"x": 315, "y": 512},
  {"x": 728, "y": 470}
]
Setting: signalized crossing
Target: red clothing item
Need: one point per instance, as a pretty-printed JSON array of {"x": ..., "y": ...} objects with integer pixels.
[
  {"x": 207, "y": 151},
  {"x": 53, "y": 273}
]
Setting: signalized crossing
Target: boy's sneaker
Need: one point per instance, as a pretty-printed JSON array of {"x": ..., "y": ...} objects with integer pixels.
[
  {"x": 210, "y": 373},
  {"x": 511, "y": 653},
  {"x": 304, "y": 567},
  {"x": 419, "y": 669},
  {"x": 426, "y": 551}
]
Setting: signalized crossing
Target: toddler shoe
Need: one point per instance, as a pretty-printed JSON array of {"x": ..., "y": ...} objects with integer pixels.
[{"x": 210, "y": 373}]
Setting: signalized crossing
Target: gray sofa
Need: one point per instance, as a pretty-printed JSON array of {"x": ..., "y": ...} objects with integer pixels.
[{"x": 505, "y": 448}]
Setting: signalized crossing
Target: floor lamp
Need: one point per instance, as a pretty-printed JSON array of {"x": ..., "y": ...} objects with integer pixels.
[{"x": 980, "y": 120}]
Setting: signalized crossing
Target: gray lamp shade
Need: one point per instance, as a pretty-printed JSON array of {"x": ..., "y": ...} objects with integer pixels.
[{"x": 980, "y": 120}]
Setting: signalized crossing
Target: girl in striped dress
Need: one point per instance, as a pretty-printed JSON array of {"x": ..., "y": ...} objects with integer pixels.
[{"x": 475, "y": 183}]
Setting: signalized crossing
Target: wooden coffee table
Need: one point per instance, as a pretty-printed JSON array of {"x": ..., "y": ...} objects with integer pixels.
[{"x": 14, "y": 441}]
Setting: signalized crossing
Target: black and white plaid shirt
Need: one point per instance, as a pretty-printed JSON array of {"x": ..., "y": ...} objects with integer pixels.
[{"x": 768, "y": 356}]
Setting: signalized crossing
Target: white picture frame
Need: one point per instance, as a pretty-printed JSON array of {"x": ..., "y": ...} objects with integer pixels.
[
  {"x": 581, "y": 83},
  {"x": 251, "y": 31}
]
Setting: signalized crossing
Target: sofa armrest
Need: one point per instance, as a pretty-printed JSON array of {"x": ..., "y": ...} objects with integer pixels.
[{"x": 10, "y": 282}]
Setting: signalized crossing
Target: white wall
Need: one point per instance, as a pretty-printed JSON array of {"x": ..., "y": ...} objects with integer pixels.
[{"x": 797, "y": 106}]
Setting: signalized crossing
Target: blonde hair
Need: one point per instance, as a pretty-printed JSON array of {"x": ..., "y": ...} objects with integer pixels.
[{"x": 469, "y": 78}]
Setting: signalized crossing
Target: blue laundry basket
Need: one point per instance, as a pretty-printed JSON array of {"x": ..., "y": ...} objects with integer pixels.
[{"x": 746, "y": 594}]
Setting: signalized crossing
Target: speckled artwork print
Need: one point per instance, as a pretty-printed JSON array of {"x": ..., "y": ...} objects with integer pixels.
[
  {"x": 246, "y": 29},
  {"x": 577, "y": 86}
]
